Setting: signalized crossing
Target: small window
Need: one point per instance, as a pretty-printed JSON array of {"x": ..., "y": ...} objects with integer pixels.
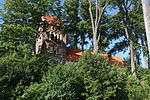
[
  {"x": 59, "y": 37},
  {"x": 52, "y": 37},
  {"x": 56, "y": 38}
]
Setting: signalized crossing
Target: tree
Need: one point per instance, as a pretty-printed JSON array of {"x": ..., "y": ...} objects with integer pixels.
[
  {"x": 71, "y": 19},
  {"x": 146, "y": 13},
  {"x": 18, "y": 71},
  {"x": 96, "y": 22},
  {"x": 139, "y": 38},
  {"x": 19, "y": 66},
  {"x": 21, "y": 19},
  {"x": 124, "y": 10},
  {"x": 75, "y": 22}
]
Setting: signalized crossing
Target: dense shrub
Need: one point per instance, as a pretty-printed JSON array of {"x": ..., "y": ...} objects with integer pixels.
[
  {"x": 16, "y": 72},
  {"x": 91, "y": 78},
  {"x": 60, "y": 83},
  {"x": 138, "y": 88},
  {"x": 101, "y": 80}
]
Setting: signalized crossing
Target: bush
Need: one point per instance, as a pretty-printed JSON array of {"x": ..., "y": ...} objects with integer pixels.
[
  {"x": 60, "y": 83},
  {"x": 101, "y": 80},
  {"x": 91, "y": 78},
  {"x": 16, "y": 72},
  {"x": 138, "y": 88}
]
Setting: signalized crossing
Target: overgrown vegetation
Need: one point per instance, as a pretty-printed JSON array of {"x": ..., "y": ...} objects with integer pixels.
[
  {"x": 26, "y": 76},
  {"x": 16, "y": 72},
  {"x": 91, "y": 78}
]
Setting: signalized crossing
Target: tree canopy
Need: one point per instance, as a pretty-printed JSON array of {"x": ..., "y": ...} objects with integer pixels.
[{"x": 26, "y": 76}]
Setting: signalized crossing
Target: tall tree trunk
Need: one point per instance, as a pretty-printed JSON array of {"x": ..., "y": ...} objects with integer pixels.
[
  {"x": 144, "y": 55},
  {"x": 137, "y": 58},
  {"x": 82, "y": 47},
  {"x": 95, "y": 44},
  {"x": 82, "y": 44},
  {"x": 96, "y": 22},
  {"x": 145, "y": 61},
  {"x": 146, "y": 13},
  {"x": 132, "y": 56},
  {"x": 148, "y": 62}
]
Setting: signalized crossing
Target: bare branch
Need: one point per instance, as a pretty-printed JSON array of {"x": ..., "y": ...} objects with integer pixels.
[
  {"x": 127, "y": 33},
  {"x": 91, "y": 15},
  {"x": 99, "y": 35},
  {"x": 102, "y": 11},
  {"x": 96, "y": 17}
]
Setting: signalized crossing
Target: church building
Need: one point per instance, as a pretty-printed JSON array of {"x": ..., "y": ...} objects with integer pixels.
[{"x": 51, "y": 41}]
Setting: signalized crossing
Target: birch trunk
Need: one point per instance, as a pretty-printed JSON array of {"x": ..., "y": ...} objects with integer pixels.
[
  {"x": 144, "y": 55},
  {"x": 96, "y": 23},
  {"x": 95, "y": 44},
  {"x": 132, "y": 56},
  {"x": 146, "y": 13},
  {"x": 145, "y": 61}
]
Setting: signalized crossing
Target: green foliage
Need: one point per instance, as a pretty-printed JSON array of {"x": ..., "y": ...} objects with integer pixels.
[
  {"x": 25, "y": 76},
  {"x": 21, "y": 20},
  {"x": 17, "y": 71},
  {"x": 138, "y": 89},
  {"x": 16, "y": 38},
  {"x": 100, "y": 79},
  {"x": 60, "y": 83},
  {"x": 92, "y": 78},
  {"x": 128, "y": 14},
  {"x": 71, "y": 19}
]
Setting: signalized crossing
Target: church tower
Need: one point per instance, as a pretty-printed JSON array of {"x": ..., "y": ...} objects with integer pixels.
[{"x": 51, "y": 40}]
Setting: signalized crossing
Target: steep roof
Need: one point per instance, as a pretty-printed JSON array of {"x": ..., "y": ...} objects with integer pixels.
[
  {"x": 74, "y": 55},
  {"x": 54, "y": 20}
]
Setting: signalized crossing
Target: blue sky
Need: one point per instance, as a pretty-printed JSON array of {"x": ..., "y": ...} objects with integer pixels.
[
  {"x": 1, "y": 1},
  {"x": 119, "y": 54}
]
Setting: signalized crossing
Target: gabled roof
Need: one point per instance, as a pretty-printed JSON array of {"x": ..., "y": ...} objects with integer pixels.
[{"x": 74, "y": 55}]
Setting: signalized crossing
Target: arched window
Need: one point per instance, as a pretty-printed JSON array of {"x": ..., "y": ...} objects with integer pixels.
[
  {"x": 49, "y": 37},
  {"x": 59, "y": 37},
  {"x": 52, "y": 37},
  {"x": 56, "y": 38}
]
